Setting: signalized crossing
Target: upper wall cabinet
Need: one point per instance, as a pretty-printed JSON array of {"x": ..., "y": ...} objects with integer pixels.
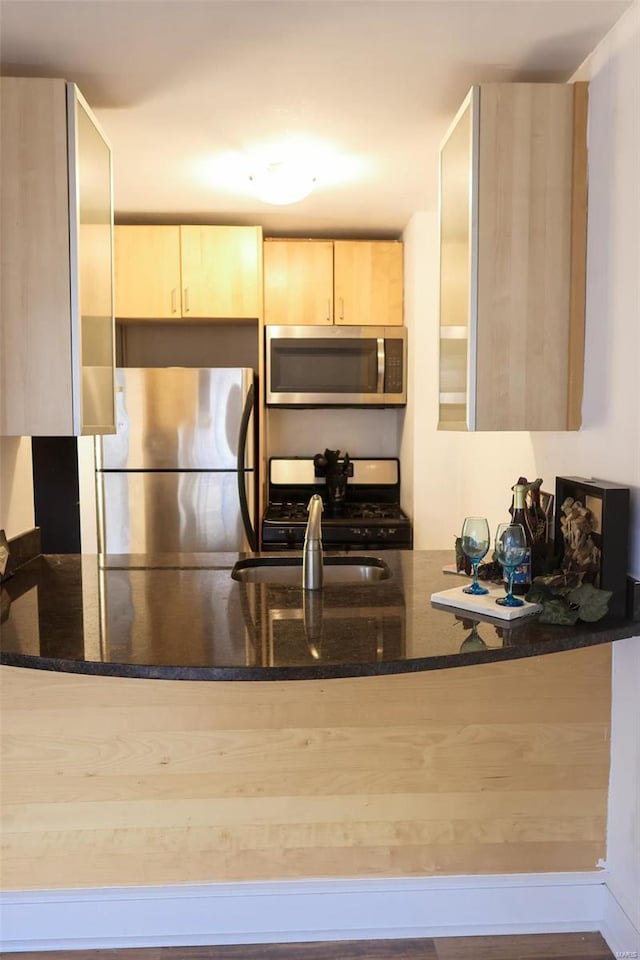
[
  {"x": 147, "y": 273},
  {"x": 298, "y": 281},
  {"x": 333, "y": 281},
  {"x": 195, "y": 272},
  {"x": 512, "y": 259},
  {"x": 57, "y": 336}
]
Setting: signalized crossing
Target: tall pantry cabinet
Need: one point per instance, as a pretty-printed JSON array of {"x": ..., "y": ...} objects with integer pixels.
[
  {"x": 512, "y": 258},
  {"x": 57, "y": 331}
]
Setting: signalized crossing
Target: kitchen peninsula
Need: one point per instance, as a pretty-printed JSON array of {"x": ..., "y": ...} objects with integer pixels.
[
  {"x": 378, "y": 761},
  {"x": 183, "y": 616}
]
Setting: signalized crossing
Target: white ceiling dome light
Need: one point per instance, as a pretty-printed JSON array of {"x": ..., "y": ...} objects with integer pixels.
[
  {"x": 280, "y": 172},
  {"x": 282, "y": 182}
]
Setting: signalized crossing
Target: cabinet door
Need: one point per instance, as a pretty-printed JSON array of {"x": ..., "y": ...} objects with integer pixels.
[
  {"x": 368, "y": 282},
  {"x": 525, "y": 196},
  {"x": 220, "y": 272},
  {"x": 298, "y": 281},
  {"x": 147, "y": 272},
  {"x": 91, "y": 245},
  {"x": 35, "y": 332},
  {"x": 458, "y": 214},
  {"x": 56, "y": 349},
  {"x": 512, "y": 258}
]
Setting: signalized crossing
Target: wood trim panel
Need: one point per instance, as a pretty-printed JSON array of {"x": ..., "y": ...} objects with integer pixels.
[
  {"x": 524, "y": 255},
  {"x": 578, "y": 289},
  {"x": 35, "y": 296},
  {"x": 498, "y": 768}
]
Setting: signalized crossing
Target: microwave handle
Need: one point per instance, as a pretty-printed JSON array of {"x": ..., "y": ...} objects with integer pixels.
[{"x": 380, "y": 381}]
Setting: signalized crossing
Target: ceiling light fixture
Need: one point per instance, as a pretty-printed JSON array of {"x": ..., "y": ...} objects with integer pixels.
[
  {"x": 281, "y": 183},
  {"x": 281, "y": 172}
]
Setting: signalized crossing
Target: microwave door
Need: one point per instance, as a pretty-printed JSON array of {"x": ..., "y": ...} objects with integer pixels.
[{"x": 325, "y": 369}]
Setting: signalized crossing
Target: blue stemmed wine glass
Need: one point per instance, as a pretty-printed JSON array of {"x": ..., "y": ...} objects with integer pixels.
[
  {"x": 475, "y": 544},
  {"x": 511, "y": 549}
]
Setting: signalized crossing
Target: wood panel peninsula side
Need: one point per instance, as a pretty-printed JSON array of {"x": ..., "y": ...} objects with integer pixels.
[{"x": 500, "y": 767}]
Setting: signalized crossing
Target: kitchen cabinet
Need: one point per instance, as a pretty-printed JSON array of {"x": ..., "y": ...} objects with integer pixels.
[
  {"x": 147, "y": 272},
  {"x": 298, "y": 281},
  {"x": 57, "y": 263},
  {"x": 333, "y": 281},
  {"x": 368, "y": 282},
  {"x": 191, "y": 272},
  {"x": 512, "y": 259}
]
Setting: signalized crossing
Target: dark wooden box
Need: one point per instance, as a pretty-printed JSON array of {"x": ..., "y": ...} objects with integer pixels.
[{"x": 609, "y": 503}]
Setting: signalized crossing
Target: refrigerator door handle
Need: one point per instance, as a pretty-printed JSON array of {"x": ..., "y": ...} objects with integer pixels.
[{"x": 242, "y": 487}]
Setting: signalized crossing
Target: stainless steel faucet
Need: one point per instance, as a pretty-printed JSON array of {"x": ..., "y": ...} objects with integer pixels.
[{"x": 312, "y": 554}]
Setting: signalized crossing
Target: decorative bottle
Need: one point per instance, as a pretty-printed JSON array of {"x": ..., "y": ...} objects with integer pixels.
[
  {"x": 522, "y": 573},
  {"x": 538, "y": 525}
]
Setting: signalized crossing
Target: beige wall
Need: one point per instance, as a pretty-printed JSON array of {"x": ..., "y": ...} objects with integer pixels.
[{"x": 16, "y": 485}]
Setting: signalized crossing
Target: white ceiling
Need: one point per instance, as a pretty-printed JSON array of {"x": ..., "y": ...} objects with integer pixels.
[{"x": 177, "y": 84}]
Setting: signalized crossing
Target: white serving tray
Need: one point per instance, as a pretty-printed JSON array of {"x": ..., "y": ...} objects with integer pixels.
[{"x": 484, "y": 604}]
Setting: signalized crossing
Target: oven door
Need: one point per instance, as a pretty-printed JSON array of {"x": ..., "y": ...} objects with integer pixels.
[{"x": 335, "y": 366}]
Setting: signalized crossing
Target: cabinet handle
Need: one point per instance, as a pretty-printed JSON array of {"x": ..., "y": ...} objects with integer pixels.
[
  {"x": 174, "y": 300},
  {"x": 381, "y": 362},
  {"x": 341, "y": 302},
  {"x": 186, "y": 299},
  {"x": 329, "y": 310}
]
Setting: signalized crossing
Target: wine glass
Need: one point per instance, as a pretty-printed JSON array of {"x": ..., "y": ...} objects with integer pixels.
[
  {"x": 475, "y": 543},
  {"x": 511, "y": 549},
  {"x": 474, "y": 641}
]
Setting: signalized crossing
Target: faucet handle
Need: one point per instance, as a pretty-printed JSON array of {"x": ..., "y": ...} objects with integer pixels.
[{"x": 314, "y": 499}]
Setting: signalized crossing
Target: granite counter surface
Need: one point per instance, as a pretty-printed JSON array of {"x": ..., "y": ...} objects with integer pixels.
[{"x": 182, "y": 617}]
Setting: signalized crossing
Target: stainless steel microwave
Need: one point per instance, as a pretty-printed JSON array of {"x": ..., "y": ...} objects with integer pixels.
[{"x": 318, "y": 366}]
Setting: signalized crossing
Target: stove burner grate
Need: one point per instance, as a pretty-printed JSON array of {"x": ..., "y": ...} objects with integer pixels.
[{"x": 295, "y": 511}]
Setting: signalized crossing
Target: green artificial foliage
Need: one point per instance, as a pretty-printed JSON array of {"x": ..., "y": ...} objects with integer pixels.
[
  {"x": 557, "y": 610},
  {"x": 592, "y": 603},
  {"x": 565, "y": 599}
]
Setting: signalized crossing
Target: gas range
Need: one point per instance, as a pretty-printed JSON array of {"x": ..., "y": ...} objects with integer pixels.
[{"x": 369, "y": 517}]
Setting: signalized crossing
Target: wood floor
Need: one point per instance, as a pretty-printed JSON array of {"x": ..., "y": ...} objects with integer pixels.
[{"x": 555, "y": 946}]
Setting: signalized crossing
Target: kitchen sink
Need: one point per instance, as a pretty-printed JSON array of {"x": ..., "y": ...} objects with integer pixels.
[{"x": 288, "y": 570}]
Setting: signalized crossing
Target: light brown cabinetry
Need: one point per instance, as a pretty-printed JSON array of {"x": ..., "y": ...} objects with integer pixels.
[
  {"x": 333, "y": 281},
  {"x": 195, "y": 272},
  {"x": 298, "y": 281},
  {"x": 147, "y": 272},
  {"x": 512, "y": 259},
  {"x": 57, "y": 333},
  {"x": 368, "y": 282}
]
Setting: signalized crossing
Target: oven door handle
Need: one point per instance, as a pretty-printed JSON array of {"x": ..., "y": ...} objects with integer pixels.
[{"x": 380, "y": 380}]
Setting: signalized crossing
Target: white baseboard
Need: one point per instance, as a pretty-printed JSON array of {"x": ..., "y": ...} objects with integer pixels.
[
  {"x": 289, "y": 911},
  {"x": 622, "y": 936}
]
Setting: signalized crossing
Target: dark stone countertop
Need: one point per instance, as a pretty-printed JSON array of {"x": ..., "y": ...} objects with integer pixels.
[{"x": 182, "y": 617}]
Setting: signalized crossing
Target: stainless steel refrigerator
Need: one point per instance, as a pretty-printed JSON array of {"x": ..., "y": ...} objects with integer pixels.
[{"x": 179, "y": 474}]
